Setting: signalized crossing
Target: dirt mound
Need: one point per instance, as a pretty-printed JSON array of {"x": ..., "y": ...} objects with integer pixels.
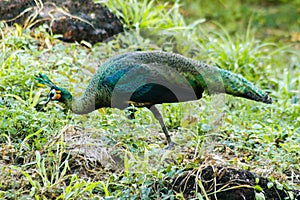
[{"x": 75, "y": 20}]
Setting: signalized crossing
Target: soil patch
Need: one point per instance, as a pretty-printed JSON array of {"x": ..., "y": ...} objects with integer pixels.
[
  {"x": 75, "y": 20},
  {"x": 229, "y": 184}
]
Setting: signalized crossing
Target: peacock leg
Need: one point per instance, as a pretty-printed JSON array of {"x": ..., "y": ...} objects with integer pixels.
[
  {"x": 158, "y": 116},
  {"x": 131, "y": 111}
]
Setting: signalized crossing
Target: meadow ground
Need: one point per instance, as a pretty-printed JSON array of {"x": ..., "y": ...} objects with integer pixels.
[{"x": 51, "y": 153}]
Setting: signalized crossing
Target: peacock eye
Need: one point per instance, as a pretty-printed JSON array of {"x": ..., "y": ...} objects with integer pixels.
[{"x": 52, "y": 94}]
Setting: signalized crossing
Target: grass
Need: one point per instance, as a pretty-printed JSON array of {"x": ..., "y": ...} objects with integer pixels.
[
  {"x": 52, "y": 153},
  {"x": 140, "y": 14}
]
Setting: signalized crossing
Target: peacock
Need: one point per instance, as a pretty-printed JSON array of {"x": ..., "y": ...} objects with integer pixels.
[{"x": 147, "y": 78}]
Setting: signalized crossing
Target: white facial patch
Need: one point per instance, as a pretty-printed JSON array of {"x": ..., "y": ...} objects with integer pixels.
[{"x": 52, "y": 94}]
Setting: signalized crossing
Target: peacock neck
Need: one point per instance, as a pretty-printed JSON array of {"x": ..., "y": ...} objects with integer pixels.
[{"x": 83, "y": 105}]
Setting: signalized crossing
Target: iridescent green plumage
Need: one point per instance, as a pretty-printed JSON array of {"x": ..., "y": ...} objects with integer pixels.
[{"x": 148, "y": 78}]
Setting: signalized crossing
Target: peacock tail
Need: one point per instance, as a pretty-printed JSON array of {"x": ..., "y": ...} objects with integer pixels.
[{"x": 159, "y": 77}]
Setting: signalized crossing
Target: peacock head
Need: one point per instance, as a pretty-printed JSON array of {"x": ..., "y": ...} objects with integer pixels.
[{"x": 56, "y": 93}]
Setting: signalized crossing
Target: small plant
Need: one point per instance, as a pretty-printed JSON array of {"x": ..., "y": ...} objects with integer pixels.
[{"x": 147, "y": 14}]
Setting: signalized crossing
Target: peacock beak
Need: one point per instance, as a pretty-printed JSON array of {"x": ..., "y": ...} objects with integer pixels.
[{"x": 48, "y": 100}]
